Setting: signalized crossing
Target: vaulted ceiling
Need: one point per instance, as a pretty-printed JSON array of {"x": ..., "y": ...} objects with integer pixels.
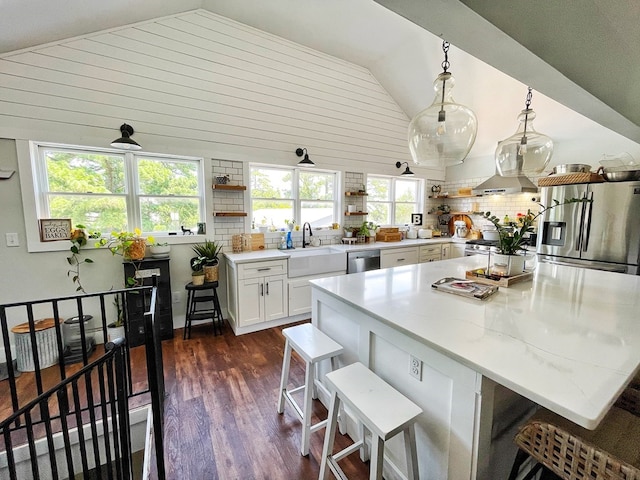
[{"x": 580, "y": 59}]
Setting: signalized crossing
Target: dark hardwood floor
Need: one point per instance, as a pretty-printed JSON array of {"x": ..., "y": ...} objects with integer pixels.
[{"x": 220, "y": 411}]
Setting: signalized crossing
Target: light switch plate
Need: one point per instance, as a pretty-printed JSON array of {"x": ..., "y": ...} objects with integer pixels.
[{"x": 12, "y": 240}]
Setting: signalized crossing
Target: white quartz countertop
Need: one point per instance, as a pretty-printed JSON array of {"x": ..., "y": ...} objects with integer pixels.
[
  {"x": 274, "y": 254},
  {"x": 569, "y": 339}
]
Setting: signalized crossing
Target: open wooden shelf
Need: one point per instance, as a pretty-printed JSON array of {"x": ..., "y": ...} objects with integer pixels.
[
  {"x": 350, "y": 214},
  {"x": 449, "y": 213},
  {"x": 230, "y": 214},
  {"x": 217, "y": 186},
  {"x": 355, "y": 194}
]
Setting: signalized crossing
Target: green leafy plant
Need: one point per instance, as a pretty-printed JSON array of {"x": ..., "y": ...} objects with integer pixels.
[
  {"x": 130, "y": 246},
  {"x": 511, "y": 238},
  {"x": 117, "y": 302},
  {"x": 207, "y": 252},
  {"x": 367, "y": 229},
  {"x": 79, "y": 238}
]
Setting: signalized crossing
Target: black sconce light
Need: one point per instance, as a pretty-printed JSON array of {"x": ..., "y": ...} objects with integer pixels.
[
  {"x": 406, "y": 172},
  {"x": 125, "y": 142},
  {"x": 305, "y": 162}
]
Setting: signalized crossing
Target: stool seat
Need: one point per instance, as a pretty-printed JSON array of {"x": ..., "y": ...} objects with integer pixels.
[
  {"x": 197, "y": 310},
  {"x": 313, "y": 346},
  {"x": 380, "y": 409}
]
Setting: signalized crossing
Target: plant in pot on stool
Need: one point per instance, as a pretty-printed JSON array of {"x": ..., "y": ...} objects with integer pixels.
[
  {"x": 160, "y": 250},
  {"x": 207, "y": 256},
  {"x": 512, "y": 251},
  {"x": 197, "y": 270}
]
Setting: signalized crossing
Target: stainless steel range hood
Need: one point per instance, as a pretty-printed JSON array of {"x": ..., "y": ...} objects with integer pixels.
[{"x": 504, "y": 185}]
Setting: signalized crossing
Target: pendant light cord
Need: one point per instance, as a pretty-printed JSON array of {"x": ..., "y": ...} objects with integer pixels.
[
  {"x": 527, "y": 104},
  {"x": 445, "y": 67}
]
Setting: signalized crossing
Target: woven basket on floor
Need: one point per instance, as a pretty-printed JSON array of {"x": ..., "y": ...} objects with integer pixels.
[{"x": 574, "y": 453}]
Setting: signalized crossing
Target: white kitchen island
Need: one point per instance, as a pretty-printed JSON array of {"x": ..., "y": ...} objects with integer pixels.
[{"x": 569, "y": 340}]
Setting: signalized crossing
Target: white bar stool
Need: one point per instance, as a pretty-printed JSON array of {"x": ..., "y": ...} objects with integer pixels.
[
  {"x": 380, "y": 409},
  {"x": 313, "y": 346}
]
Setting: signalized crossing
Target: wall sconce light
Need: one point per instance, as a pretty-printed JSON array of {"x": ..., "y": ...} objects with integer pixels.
[
  {"x": 443, "y": 133},
  {"x": 305, "y": 162},
  {"x": 125, "y": 142},
  {"x": 407, "y": 172}
]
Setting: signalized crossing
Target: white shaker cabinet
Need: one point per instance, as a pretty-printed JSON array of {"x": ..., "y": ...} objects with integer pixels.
[
  {"x": 430, "y": 253},
  {"x": 456, "y": 250},
  {"x": 446, "y": 251},
  {"x": 257, "y": 292},
  {"x": 397, "y": 257}
]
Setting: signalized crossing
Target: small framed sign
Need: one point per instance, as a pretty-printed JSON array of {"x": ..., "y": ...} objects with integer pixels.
[
  {"x": 52, "y": 229},
  {"x": 416, "y": 218}
]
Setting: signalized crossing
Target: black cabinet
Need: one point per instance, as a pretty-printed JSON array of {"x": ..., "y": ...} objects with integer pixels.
[{"x": 137, "y": 303}]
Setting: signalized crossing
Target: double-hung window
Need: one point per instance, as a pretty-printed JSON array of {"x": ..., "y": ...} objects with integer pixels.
[
  {"x": 392, "y": 200},
  {"x": 108, "y": 190},
  {"x": 281, "y": 194}
]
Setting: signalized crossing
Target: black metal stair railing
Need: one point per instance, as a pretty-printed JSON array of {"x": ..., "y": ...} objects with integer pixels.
[
  {"x": 109, "y": 409},
  {"x": 19, "y": 389}
]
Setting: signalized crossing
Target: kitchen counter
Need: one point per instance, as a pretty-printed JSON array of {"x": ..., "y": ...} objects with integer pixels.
[
  {"x": 273, "y": 254},
  {"x": 569, "y": 340}
]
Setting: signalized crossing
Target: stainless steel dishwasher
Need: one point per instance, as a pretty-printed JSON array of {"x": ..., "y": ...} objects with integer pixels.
[{"x": 363, "y": 260}]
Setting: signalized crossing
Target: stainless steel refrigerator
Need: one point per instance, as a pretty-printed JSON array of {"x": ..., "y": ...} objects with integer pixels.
[{"x": 603, "y": 234}]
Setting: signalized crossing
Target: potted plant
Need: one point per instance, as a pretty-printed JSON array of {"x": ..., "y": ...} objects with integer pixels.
[
  {"x": 197, "y": 270},
  {"x": 368, "y": 230},
  {"x": 130, "y": 245},
  {"x": 116, "y": 329},
  {"x": 160, "y": 250},
  {"x": 348, "y": 231},
  {"x": 510, "y": 258},
  {"x": 79, "y": 237},
  {"x": 207, "y": 255}
]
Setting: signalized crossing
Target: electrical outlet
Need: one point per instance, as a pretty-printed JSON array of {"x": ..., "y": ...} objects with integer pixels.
[{"x": 415, "y": 367}]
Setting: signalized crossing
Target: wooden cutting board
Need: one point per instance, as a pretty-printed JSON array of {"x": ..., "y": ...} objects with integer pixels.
[{"x": 257, "y": 241}]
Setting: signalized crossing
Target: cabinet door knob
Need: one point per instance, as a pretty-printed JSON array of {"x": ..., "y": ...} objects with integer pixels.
[
  {"x": 262, "y": 289},
  {"x": 264, "y": 269},
  {"x": 267, "y": 288}
]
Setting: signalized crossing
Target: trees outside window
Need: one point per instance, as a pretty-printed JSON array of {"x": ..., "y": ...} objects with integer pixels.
[
  {"x": 107, "y": 190},
  {"x": 392, "y": 200},
  {"x": 282, "y": 194}
]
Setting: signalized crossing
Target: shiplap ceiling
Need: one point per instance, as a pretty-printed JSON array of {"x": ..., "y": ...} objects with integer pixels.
[{"x": 405, "y": 58}]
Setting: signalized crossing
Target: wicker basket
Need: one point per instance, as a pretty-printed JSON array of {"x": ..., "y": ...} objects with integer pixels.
[
  {"x": 575, "y": 453},
  {"x": 571, "y": 178}
]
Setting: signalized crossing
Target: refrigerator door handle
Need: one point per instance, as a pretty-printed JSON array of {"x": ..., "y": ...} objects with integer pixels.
[
  {"x": 587, "y": 226},
  {"x": 578, "y": 246}
]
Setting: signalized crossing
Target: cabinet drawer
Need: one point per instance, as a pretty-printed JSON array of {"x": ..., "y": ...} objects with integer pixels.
[
  {"x": 428, "y": 253},
  {"x": 396, "y": 257},
  {"x": 262, "y": 269}
]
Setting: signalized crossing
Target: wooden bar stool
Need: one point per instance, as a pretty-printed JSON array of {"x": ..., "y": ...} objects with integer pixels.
[
  {"x": 380, "y": 409},
  {"x": 611, "y": 451},
  {"x": 197, "y": 308},
  {"x": 313, "y": 346}
]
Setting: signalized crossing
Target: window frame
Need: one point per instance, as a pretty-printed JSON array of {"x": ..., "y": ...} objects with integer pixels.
[
  {"x": 420, "y": 202},
  {"x": 34, "y": 199},
  {"x": 295, "y": 190}
]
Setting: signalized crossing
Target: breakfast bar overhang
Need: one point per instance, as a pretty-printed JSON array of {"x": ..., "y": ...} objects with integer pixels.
[{"x": 569, "y": 341}]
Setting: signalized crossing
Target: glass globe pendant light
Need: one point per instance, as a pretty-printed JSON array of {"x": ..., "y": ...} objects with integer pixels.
[
  {"x": 526, "y": 152},
  {"x": 443, "y": 133}
]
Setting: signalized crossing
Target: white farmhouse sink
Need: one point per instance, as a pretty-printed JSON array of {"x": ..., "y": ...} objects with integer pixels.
[{"x": 315, "y": 260}]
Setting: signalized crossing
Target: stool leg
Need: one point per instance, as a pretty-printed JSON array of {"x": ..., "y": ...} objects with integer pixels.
[
  {"x": 187, "y": 321},
  {"x": 329, "y": 435},
  {"x": 411, "y": 453},
  {"x": 342, "y": 419},
  {"x": 284, "y": 379},
  {"x": 377, "y": 457},
  {"x": 218, "y": 313},
  {"x": 306, "y": 410},
  {"x": 364, "y": 449}
]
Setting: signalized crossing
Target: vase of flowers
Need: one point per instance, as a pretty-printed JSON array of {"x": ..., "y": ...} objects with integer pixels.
[{"x": 511, "y": 255}]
